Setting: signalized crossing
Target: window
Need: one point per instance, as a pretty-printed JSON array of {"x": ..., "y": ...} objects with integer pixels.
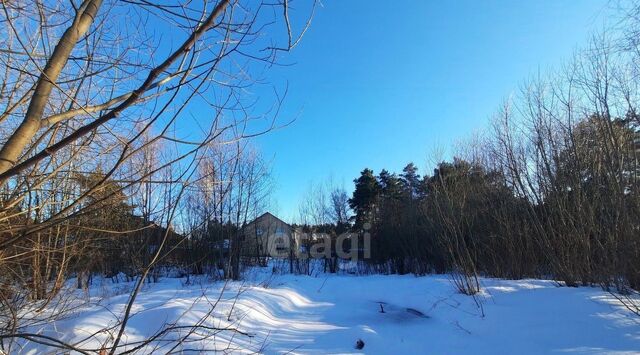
[{"x": 259, "y": 231}]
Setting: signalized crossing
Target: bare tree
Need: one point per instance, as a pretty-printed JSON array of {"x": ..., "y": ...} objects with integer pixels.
[{"x": 98, "y": 140}]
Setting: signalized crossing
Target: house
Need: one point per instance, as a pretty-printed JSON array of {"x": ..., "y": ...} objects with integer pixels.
[{"x": 268, "y": 235}]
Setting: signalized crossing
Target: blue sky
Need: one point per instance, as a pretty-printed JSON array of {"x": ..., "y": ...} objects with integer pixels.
[{"x": 379, "y": 84}]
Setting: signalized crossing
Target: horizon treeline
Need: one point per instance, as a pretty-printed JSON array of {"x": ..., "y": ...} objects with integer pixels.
[{"x": 550, "y": 190}]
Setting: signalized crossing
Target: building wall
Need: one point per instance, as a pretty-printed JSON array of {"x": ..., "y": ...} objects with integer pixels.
[{"x": 267, "y": 236}]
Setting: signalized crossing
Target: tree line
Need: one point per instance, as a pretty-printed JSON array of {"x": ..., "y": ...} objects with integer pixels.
[{"x": 551, "y": 190}]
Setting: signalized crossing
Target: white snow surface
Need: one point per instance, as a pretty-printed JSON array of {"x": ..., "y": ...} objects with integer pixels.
[{"x": 327, "y": 314}]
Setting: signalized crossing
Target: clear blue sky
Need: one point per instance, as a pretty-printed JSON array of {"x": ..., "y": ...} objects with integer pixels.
[{"x": 378, "y": 84}]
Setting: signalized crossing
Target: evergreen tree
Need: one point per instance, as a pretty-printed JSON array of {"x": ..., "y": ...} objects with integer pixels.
[
  {"x": 365, "y": 197},
  {"x": 390, "y": 184},
  {"x": 411, "y": 182}
]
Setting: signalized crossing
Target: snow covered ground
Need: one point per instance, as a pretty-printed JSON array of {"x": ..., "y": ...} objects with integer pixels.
[{"x": 329, "y": 313}]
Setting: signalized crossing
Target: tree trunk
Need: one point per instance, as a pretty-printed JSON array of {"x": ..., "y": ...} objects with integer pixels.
[{"x": 17, "y": 142}]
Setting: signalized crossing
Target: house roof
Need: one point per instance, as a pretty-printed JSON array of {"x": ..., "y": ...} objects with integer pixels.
[{"x": 268, "y": 214}]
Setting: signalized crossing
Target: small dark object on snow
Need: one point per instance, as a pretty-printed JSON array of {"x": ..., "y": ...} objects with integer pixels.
[
  {"x": 416, "y": 313},
  {"x": 359, "y": 344}
]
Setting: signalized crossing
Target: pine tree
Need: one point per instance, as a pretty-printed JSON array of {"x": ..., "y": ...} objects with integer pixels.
[
  {"x": 411, "y": 182},
  {"x": 390, "y": 184},
  {"x": 365, "y": 197}
]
